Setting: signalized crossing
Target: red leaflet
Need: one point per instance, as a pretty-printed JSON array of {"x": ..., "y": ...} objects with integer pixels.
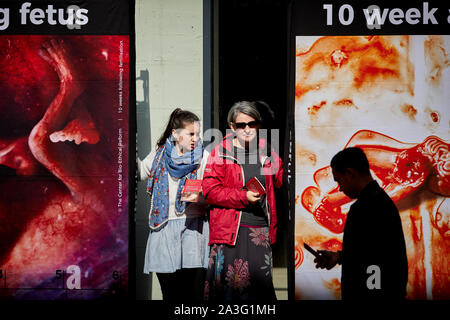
[
  {"x": 255, "y": 185},
  {"x": 191, "y": 190}
]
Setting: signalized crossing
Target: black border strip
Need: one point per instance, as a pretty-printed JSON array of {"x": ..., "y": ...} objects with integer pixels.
[
  {"x": 132, "y": 154},
  {"x": 310, "y": 18},
  {"x": 289, "y": 149}
]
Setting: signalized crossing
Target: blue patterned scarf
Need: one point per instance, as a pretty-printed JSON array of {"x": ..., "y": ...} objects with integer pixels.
[{"x": 181, "y": 167}]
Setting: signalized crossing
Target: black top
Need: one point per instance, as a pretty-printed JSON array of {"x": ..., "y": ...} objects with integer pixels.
[
  {"x": 254, "y": 214},
  {"x": 374, "y": 248}
]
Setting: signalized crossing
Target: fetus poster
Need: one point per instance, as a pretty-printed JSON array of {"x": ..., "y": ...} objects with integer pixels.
[
  {"x": 382, "y": 84},
  {"x": 64, "y": 112}
]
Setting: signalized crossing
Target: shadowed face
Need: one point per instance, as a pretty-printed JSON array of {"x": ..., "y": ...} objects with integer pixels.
[{"x": 346, "y": 181}]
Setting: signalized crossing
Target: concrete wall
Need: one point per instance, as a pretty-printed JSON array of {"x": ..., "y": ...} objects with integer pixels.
[{"x": 169, "y": 43}]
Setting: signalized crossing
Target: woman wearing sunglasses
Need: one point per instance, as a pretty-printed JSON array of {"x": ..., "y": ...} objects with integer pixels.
[
  {"x": 242, "y": 222},
  {"x": 177, "y": 246}
]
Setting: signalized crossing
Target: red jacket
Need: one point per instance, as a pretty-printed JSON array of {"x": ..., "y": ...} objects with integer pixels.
[{"x": 223, "y": 180}]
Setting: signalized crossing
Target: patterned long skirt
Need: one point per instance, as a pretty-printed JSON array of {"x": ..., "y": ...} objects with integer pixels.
[{"x": 242, "y": 272}]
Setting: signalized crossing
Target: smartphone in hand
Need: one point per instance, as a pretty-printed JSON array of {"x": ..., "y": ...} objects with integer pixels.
[{"x": 311, "y": 250}]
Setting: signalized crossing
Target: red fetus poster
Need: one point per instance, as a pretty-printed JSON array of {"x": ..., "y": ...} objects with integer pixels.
[{"x": 64, "y": 111}]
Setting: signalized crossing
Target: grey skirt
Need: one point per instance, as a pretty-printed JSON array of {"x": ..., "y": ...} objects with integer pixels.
[{"x": 182, "y": 243}]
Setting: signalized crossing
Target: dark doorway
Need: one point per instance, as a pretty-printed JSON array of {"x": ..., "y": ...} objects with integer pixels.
[{"x": 252, "y": 65}]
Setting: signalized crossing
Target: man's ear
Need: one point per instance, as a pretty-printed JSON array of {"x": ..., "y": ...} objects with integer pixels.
[{"x": 352, "y": 172}]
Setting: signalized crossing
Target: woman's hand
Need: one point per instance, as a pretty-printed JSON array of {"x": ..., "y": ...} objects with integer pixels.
[{"x": 253, "y": 197}]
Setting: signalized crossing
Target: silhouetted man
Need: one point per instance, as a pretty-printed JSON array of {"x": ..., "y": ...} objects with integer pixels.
[{"x": 373, "y": 256}]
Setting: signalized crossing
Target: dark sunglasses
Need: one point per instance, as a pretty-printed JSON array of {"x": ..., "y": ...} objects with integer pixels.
[{"x": 241, "y": 125}]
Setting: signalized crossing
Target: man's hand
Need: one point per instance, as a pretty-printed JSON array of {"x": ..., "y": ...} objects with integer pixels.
[{"x": 327, "y": 259}]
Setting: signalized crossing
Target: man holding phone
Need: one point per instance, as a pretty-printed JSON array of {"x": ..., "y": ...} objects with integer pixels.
[{"x": 373, "y": 256}]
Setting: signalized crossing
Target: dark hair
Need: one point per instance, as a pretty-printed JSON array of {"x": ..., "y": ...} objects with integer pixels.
[
  {"x": 266, "y": 113},
  {"x": 352, "y": 157},
  {"x": 177, "y": 120}
]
